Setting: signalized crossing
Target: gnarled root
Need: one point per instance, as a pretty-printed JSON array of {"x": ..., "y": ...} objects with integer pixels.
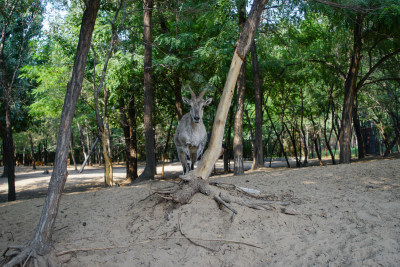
[
  {"x": 193, "y": 185},
  {"x": 25, "y": 256}
]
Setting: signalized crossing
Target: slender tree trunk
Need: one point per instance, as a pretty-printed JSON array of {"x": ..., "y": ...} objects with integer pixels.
[
  {"x": 129, "y": 128},
  {"x": 258, "y": 160},
  {"x": 32, "y": 152},
  {"x": 238, "y": 126},
  {"x": 357, "y": 129},
  {"x": 350, "y": 92},
  {"x": 82, "y": 140},
  {"x": 228, "y": 146},
  {"x": 41, "y": 241},
  {"x": 304, "y": 132},
  {"x": 246, "y": 37},
  {"x": 150, "y": 169}
]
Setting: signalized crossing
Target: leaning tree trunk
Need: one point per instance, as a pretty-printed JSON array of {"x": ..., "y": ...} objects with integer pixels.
[
  {"x": 246, "y": 37},
  {"x": 258, "y": 160},
  {"x": 150, "y": 169},
  {"x": 41, "y": 242},
  {"x": 350, "y": 92}
]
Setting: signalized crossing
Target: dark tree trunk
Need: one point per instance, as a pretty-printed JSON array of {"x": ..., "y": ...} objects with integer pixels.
[
  {"x": 41, "y": 241},
  {"x": 304, "y": 132},
  {"x": 350, "y": 92},
  {"x": 228, "y": 145},
  {"x": 129, "y": 127},
  {"x": 150, "y": 169},
  {"x": 6, "y": 130},
  {"x": 258, "y": 160}
]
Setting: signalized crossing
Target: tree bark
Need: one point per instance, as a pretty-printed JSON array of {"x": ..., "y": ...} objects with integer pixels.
[
  {"x": 150, "y": 169},
  {"x": 6, "y": 130},
  {"x": 238, "y": 167},
  {"x": 258, "y": 160},
  {"x": 304, "y": 132},
  {"x": 350, "y": 92},
  {"x": 246, "y": 37},
  {"x": 41, "y": 241},
  {"x": 129, "y": 127}
]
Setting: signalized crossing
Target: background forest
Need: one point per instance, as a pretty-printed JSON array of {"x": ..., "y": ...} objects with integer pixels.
[{"x": 321, "y": 75}]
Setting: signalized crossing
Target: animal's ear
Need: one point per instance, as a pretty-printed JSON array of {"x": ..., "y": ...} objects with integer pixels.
[
  {"x": 208, "y": 101},
  {"x": 185, "y": 100}
]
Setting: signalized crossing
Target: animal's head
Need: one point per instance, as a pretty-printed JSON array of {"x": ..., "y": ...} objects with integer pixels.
[{"x": 197, "y": 104}]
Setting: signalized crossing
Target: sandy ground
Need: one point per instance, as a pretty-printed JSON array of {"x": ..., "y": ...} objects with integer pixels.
[{"x": 347, "y": 215}]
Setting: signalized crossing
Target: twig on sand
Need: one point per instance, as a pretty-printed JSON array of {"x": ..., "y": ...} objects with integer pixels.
[{"x": 190, "y": 240}]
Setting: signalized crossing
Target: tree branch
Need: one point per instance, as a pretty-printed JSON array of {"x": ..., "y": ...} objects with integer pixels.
[{"x": 380, "y": 62}]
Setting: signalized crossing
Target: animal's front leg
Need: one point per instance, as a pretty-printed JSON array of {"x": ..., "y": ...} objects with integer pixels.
[{"x": 188, "y": 160}]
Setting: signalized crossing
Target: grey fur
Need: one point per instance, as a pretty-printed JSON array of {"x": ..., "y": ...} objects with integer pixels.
[{"x": 191, "y": 136}]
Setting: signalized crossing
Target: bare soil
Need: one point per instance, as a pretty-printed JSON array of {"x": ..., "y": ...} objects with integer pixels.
[{"x": 346, "y": 215}]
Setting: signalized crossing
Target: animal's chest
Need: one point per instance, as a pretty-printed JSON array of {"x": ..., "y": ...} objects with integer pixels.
[{"x": 197, "y": 134}]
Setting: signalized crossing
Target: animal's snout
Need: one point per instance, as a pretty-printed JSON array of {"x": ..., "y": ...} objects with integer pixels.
[{"x": 196, "y": 119}]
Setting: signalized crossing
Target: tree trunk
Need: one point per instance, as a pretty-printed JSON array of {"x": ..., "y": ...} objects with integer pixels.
[
  {"x": 350, "y": 92},
  {"x": 150, "y": 169},
  {"x": 32, "y": 152},
  {"x": 258, "y": 160},
  {"x": 357, "y": 129},
  {"x": 82, "y": 140},
  {"x": 304, "y": 132},
  {"x": 41, "y": 241},
  {"x": 238, "y": 167},
  {"x": 6, "y": 130},
  {"x": 238, "y": 126},
  {"x": 228, "y": 147},
  {"x": 242, "y": 48},
  {"x": 91, "y": 151}
]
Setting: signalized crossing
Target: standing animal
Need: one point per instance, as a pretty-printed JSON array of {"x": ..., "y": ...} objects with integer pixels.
[{"x": 191, "y": 136}]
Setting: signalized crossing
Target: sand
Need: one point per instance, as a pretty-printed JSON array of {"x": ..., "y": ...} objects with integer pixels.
[{"x": 347, "y": 215}]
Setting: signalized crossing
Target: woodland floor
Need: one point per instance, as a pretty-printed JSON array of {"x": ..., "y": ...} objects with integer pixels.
[{"x": 347, "y": 215}]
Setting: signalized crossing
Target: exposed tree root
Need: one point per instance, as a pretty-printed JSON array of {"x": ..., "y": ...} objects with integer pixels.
[
  {"x": 250, "y": 198},
  {"x": 26, "y": 256}
]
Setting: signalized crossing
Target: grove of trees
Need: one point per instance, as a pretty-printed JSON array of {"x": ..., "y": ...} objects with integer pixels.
[
  {"x": 307, "y": 79},
  {"x": 321, "y": 79}
]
